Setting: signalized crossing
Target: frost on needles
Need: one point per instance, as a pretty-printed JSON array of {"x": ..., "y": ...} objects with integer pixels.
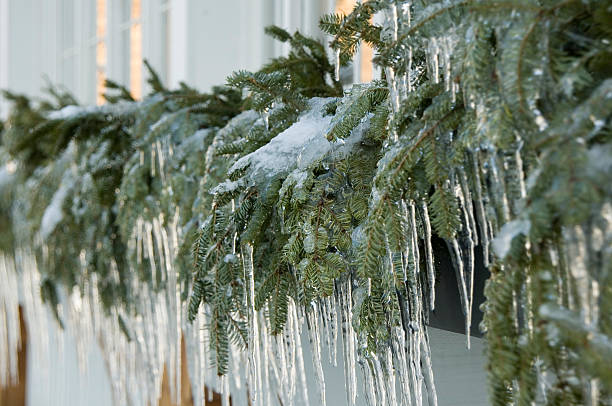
[{"x": 238, "y": 218}]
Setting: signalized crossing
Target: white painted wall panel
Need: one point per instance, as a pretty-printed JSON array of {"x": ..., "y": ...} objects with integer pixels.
[
  {"x": 66, "y": 384},
  {"x": 4, "y": 53},
  {"x": 459, "y": 374}
]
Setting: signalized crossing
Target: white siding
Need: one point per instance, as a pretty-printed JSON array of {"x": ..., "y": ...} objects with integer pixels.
[
  {"x": 199, "y": 42},
  {"x": 459, "y": 374}
]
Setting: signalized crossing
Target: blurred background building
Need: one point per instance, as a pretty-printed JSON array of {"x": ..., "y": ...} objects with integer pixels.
[{"x": 77, "y": 44}]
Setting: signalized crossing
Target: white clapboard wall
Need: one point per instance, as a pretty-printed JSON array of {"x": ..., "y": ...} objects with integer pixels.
[{"x": 459, "y": 374}]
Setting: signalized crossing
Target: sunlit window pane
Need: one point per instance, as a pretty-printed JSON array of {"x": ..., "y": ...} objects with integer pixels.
[
  {"x": 366, "y": 68},
  {"x": 136, "y": 50},
  {"x": 101, "y": 53}
]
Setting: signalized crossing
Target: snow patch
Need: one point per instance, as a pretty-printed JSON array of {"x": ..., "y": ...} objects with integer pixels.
[
  {"x": 54, "y": 213},
  {"x": 298, "y": 146},
  {"x": 244, "y": 119}
]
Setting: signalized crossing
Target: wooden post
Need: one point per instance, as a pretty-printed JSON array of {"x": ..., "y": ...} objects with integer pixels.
[
  {"x": 15, "y": 395},
  {"x": 186, "y": 397}
]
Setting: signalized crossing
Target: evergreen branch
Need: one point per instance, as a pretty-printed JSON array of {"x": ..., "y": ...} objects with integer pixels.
[{"x": 416, "y": 143}]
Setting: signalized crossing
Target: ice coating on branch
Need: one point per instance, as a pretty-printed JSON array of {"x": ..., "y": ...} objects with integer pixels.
[
  {"x": 429, "y": 260},
  {"x": 503, "y": 240},
  {"x": 119, "y": 108},
  {"x": 227, "y": 187},
  {"x": 245, "y": 118},
  {"x": 337, "y": 64},
  {"x": 298, "y": 146}
]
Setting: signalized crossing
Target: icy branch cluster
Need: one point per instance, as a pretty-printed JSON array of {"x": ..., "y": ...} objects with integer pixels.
[{"x": 285, "y": 213}]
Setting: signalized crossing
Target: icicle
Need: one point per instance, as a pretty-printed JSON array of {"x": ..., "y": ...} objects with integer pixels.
[
  {"x": 331, "y": 328},
  {"x": 237, "y": 361},
  {"x": 348, "y": 340},
  {"x": 160, "y": 157},
  {"x": 152, "y": 163},
  {"x": 265, "y": 377},
  {"x": 202, "y": 339},
  {"x": 469, "y": 205},
  {"x": 499, "y": 189},
  {"x": 469, "y": 244},
  {"x": 280, "y": 388},
  {"x": 398, "y": 343},
  {"x": 370, "y": 383},
  {"x": 413, "y": 314},
  {"x": 157, "y": 234},
  {"x": 446, "y": 57},
  {"x": 430, "y": 385},
  {"x": 431, "y": 275},
  {"x": 225, "y": 394},
  {"x": 379, "y": 378},
  {"x": 520, "y": 170},
  {"x": 393, "y": 21},
  {"x": 150, "y": 251},
  {"x": 393, "y": 90},
  {"x": 325, "y": 317},
  {"x": 139, "y": 239},
  {"x": 390, "y": 377},
  {"x": 334, "y": 329},
  {"x": 314, "y": 333},
  {"x": 415, "y": 368},
  {"x": 415, "y": 237},
  {"x": 300, "y": 357},
  {"x": 285, "y": 386},
  {"x": 266, "y": 119},
  {"x": 255, "y": 384},
  {"x": 337, "y": 65},
  {"x": 211, "y": 395},
  {"x": 480, "y": 211},
  {"x": 461, "y": 279},
  {"x": 433, "y": 52},
  {"x": 287, "y": 361},
  {"x": 407, "y": 20},
  {"x": 409, "y": 71}
]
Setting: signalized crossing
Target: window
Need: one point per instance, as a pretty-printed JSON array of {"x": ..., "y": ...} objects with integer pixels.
[
  {"x": 128, "y": 31},
  {"x": 164, "y": 57},
  {"x": 101, "y": 52},
  {"x": 68, "y": 47},
  {"x": 77, "y": 48},
  {"x": 363, "y": 66}
]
